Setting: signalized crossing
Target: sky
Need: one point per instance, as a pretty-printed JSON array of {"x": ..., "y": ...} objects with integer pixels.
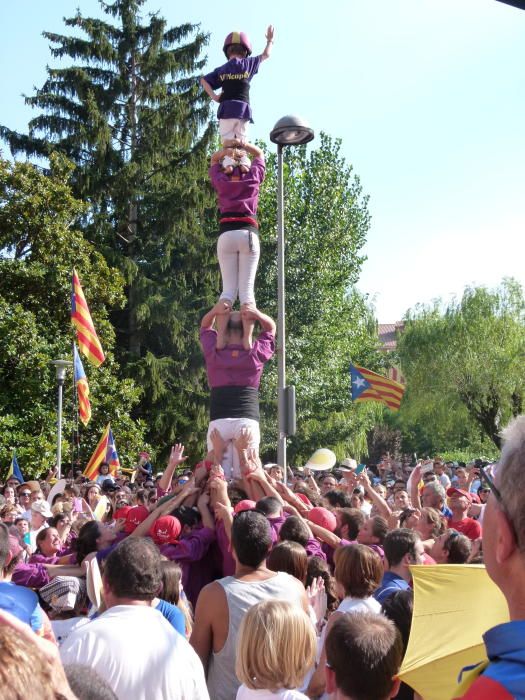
[{"x": 427, "y": 97}]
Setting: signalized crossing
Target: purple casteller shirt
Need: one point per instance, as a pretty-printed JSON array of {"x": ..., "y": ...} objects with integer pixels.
[
  {"x": 238, "y": 69},
  {"x": 239, "y": 196},
  {"x": 235, "y": 366}
]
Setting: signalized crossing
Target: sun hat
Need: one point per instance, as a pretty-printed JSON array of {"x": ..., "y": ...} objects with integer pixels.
[
  {"x": 42, "y": 508},
  {"x": 321, "y": 460}
]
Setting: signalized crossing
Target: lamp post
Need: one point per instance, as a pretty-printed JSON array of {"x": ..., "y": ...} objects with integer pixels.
[
  {"x": 61, "y": 366},
  {"x": 288, "y": 131}
]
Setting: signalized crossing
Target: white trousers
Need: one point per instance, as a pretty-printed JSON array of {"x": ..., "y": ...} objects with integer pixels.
[
  {"x": 233, "y": 129},
  {"x": 230, "y": 429},
  {"x": 238, "y": 263}
]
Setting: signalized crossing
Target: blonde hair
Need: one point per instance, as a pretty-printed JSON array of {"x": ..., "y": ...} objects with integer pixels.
[{"x": 276, "y": 646}]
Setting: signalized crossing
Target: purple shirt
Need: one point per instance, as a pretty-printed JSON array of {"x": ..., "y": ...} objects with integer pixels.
[
  {"x": 238, "y": 69},
  {"x": 238, "y": 196},
  {"x": 233, "y": 365},
  {"x": 30, "y": 575}
]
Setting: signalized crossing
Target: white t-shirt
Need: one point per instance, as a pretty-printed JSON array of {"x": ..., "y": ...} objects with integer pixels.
[
  {"x": 139, "y": 654},
  {"x": 245, "y": 693}
]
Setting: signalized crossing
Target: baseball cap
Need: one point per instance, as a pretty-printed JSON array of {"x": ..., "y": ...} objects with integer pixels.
[
  {"x": 134, "y": 517},
  {"x": 43, "y": 508},
  {"x": 453, "y": 491},
  {"x": 108, "y": 486},
  {"x": 323, "y": 517},
  {"x": 121, "y": 513},
  {"x": 165, "y": 530}
]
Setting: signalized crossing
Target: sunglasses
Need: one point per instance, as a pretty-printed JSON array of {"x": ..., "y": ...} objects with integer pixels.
[{"x": 25, "y": 493}]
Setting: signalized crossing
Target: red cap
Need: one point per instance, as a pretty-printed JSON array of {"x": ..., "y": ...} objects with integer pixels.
[
  {"x": 453, "y": 491},
  {"x": 323, "y": 517},
  {"x": 304, "y": 498},
  {"x": 121, "y": 513},
  {"x": 134, "y": 517},
  {"x": 165, "y": 530},
  {"x": 246, "y": 504}
]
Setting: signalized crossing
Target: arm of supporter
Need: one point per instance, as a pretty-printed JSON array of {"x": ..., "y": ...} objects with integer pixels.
[
  {"x": 202, "y": 505},
  {"x": 260, "y": 477},
  {"x": 254, "y": 151},
  {"x": 313, "y": 548},
  {"x": 325, "y": 535},
  {"x": 379, "y": 502},
  {"x": 165, "y": 508},
  {"x": 208, "y": 319},
  {"x": 30, "y": 575},
  {"x": 267, "y": 323},
  {"x": 176, "y": 458},
  {"x": 415, "y": 478},
  {"x": 270, "y": 33},
  {"x": 219, "y": 155},
  {"x": 54, "y": 570},
  {"x": 224, "y": 517},
  {"x": 290, "y": 497},
  {"x": 312, "y": 483},
  {"x": 210, "y": 600}
]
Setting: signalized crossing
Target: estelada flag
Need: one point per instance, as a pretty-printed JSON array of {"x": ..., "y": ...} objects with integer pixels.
[
  {"x": 112, "y": 455},
  {"x": 87, "y": 338},
  {"x": 84, "y": 406},
  {"x": 98, "y": 456},
  {"x": 369, "y": 386}
]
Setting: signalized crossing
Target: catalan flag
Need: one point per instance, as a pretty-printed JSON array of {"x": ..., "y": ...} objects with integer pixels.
[
  {"x": 88, "y": 341},
  {"x": 112, "y": 455},
  {"x": 369, "y": 386},
  {"x": 14, "y": 470},
  {"x": 98, "y": 456},
  {"x": 84, "y": 407}
]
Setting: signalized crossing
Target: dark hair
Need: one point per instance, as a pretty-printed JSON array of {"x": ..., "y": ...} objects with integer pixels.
[
  {"x": 40, "y": 537},
  {"x": 56, "y": 497},
  {"x": 236, "y": 50},
  {"x": 4, "y": 545},
  {"x": 251, "y": 537},
  {"x": 353, "y": 518},
  {"x": 86, "y": 541},
  {"x": 379, "y": 528},
  {"x": 87, "y": 684},
  {"x": 133, "y": 569},
  {"x": 171, "y": 578},
  {"x": 236, "y": 495},
  {"x": 398, "y": 543},
  {"x": 295, "y": 529},
  {"x": 338, "y": 499},
  {"x": 53, "y": 522},
  {"x": 289, "y": 557},
  {"x": 269, "y": 506},
  {"x": 318, "y": 567},
  {"x": 187, "y": 515},
  {"x": 358, "y": 569},
  {"x": 72, "y": 489},
  {"x": 365, "y": 652},
  {"x": 398, "y": 607},
  {"x": 405, "y": 514},
  {"x": 458, "y": 547},
  {"x": 314, "y": 498}
]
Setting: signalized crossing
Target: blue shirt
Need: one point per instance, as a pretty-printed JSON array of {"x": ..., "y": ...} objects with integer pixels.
[
  {"x": 390, "y": 584},
  {"x": 22, "y": 603},
  {"x": 173, "y": 615}
]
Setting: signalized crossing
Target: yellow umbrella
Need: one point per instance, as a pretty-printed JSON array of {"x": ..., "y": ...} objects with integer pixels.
[{"x": 453, "y": 606}]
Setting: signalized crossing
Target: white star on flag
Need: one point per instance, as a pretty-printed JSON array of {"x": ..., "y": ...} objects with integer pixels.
[{"x": 359, "y": 382}]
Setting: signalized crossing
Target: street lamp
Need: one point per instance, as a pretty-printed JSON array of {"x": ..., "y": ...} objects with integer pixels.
[
  {"x": 288, "y": 131},
  {"x": 61, "y": 366}
]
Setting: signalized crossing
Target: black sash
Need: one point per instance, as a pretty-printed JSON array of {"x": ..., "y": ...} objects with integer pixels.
[{"x": 234, "y": 402}]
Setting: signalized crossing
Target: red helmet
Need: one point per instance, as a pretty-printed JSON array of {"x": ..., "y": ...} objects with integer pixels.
[{"x": 237, "y": 38}]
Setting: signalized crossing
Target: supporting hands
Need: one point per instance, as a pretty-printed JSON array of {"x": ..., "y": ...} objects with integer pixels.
[{"x": 177, "y": 455}]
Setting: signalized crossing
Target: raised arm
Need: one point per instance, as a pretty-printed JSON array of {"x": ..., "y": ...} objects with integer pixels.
[
  {"x": 267, "y": 323},
  {"x": 176, "y": 458},
  {"x": 414, "y": 479},
  {"x": 379, "y": 502},
  {"x": 220, "y": 308},
  {"x": 270, "y": 33}
]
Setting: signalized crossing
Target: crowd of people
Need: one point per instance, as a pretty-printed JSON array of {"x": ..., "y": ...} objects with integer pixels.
[{"x": 186, "y": 584}]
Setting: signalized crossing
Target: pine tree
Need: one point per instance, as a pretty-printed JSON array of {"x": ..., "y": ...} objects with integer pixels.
[{"x": 129, "y": 113}]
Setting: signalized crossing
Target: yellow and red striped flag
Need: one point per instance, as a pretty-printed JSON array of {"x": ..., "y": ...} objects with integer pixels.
[
  {"x": 84, "y": 406},
  {"x": 98, "y": 456},
  {"x": 88, "y": 341},
  {"x": 369, "y": 386}
]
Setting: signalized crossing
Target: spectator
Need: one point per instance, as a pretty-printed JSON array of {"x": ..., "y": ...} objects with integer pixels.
[
  {"x": 402, "y": 547},
  {"x": 399, "y": 608},
  {"x": 363, "y": 655},
  {"x": 459, "y": 504},
  {"x": 451, "y": 548},
  {"x": 113, "y": 644}
]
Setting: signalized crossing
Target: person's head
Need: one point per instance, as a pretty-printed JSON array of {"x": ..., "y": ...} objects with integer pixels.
[
  {"x": 433, "y": 495},
  {"x": 462, "y": 477},
  {"x": 92, "y": 537},
  {"x": 171, "y": 581},
  {"x": 373, "y": 531},
  {"x": 40, "y": 512},
  {"x": 358, "y": 571},
  {"x": 104, "y": 468},
  {"x": 295, "y": 529},
  {"x": 403, "y": 547},
  {"x": 92, "y": 493},
  {"x": 399, "y": 607},
  {"x": 401, "y": 499},
  {"x": 87, "y": 684},
  {"x": 22, "y": 525},
  {"x": 289, "y": 557},
  {"x": 349, "y": 522},
  {"x": 337, "y": 499},
  {"x": 9, "y": 493},
  {"x": 234, "y": 328},
  {"x": 24, "y": 496},
  {"x": 5, "y": 552},
  {"x": 381, "y": 490},
  {"x": 439, "y": 467},
  {"x": 251, "y": 538},
  {"x": 363, "y": 655},
  {"x": 328, "y": 483},
  {"x": 357, "y": 499},
  {"x": 483, "y": 493},
  {"x": 451, "y": 548},
  {"x": 409, "y": 517},
  {"x": 430, "y": 524},
  {"x": 9, "y": 513},
  {"x": 48, "y": 542},
  {"x": 276, "y": 646},
  {"x": 132, "y": 572},
  {"x": 269, "y": 506},
  {"x": 276, "y": 472},
  {"x": 459, "y": 502},
  {"x": 36, "y": 496},
  {"x": 61, "y": 521}
]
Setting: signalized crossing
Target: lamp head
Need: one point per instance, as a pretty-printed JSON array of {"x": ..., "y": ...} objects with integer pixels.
[
  {"x": 61, "y": 366},
  {"x": 291, "y": 131}
]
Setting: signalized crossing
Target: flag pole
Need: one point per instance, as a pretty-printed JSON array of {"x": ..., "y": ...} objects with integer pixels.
[
  {"x": 61, "y": 366},
  {"x": 75, "y": 435}
]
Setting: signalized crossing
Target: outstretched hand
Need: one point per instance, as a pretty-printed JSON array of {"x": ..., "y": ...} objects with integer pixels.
[
  {"x": 270, "y": 33},
  {"x": 177, "y": 455}
]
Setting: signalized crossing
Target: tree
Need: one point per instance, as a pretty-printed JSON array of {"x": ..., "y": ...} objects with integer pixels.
[
  {"x": 328, "y": 321},
  {"x": 129, "y": 113},
  {"x": 38, "y": 248},
  {"x": 464, "y": 364}
]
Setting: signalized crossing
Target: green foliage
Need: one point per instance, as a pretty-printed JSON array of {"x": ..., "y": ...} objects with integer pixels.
[
  {"x": 464, "y": 368},
  {"x": 39, "y": 247},
  {"x": 328, "y": 321}
]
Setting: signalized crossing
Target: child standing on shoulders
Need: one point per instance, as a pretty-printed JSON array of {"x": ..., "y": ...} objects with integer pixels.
[
  {"x": 275, "y": 650},
  {"x": 234, "y": 78}
]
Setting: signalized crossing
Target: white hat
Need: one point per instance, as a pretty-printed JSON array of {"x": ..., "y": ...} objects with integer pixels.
[
  {"x": 348, "y": 465},
  {"x": 321, "y": 460},
  {"x": 42, "y": 508},
  {"x": 270, "y": 465}
]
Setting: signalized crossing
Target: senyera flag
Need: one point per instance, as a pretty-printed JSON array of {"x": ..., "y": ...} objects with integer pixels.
[
  {"x": 84, "y": 406},
  {"x": 369, "y": 386},
  {"x": 87, "y": 338},
  {"x": 105, "y": 451}
]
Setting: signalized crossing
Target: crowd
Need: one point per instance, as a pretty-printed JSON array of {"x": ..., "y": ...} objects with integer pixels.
[{"x": 186, "y": 584}]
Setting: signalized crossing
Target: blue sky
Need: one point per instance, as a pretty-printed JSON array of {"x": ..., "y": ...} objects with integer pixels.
[{"x": 427, "y": 96}]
